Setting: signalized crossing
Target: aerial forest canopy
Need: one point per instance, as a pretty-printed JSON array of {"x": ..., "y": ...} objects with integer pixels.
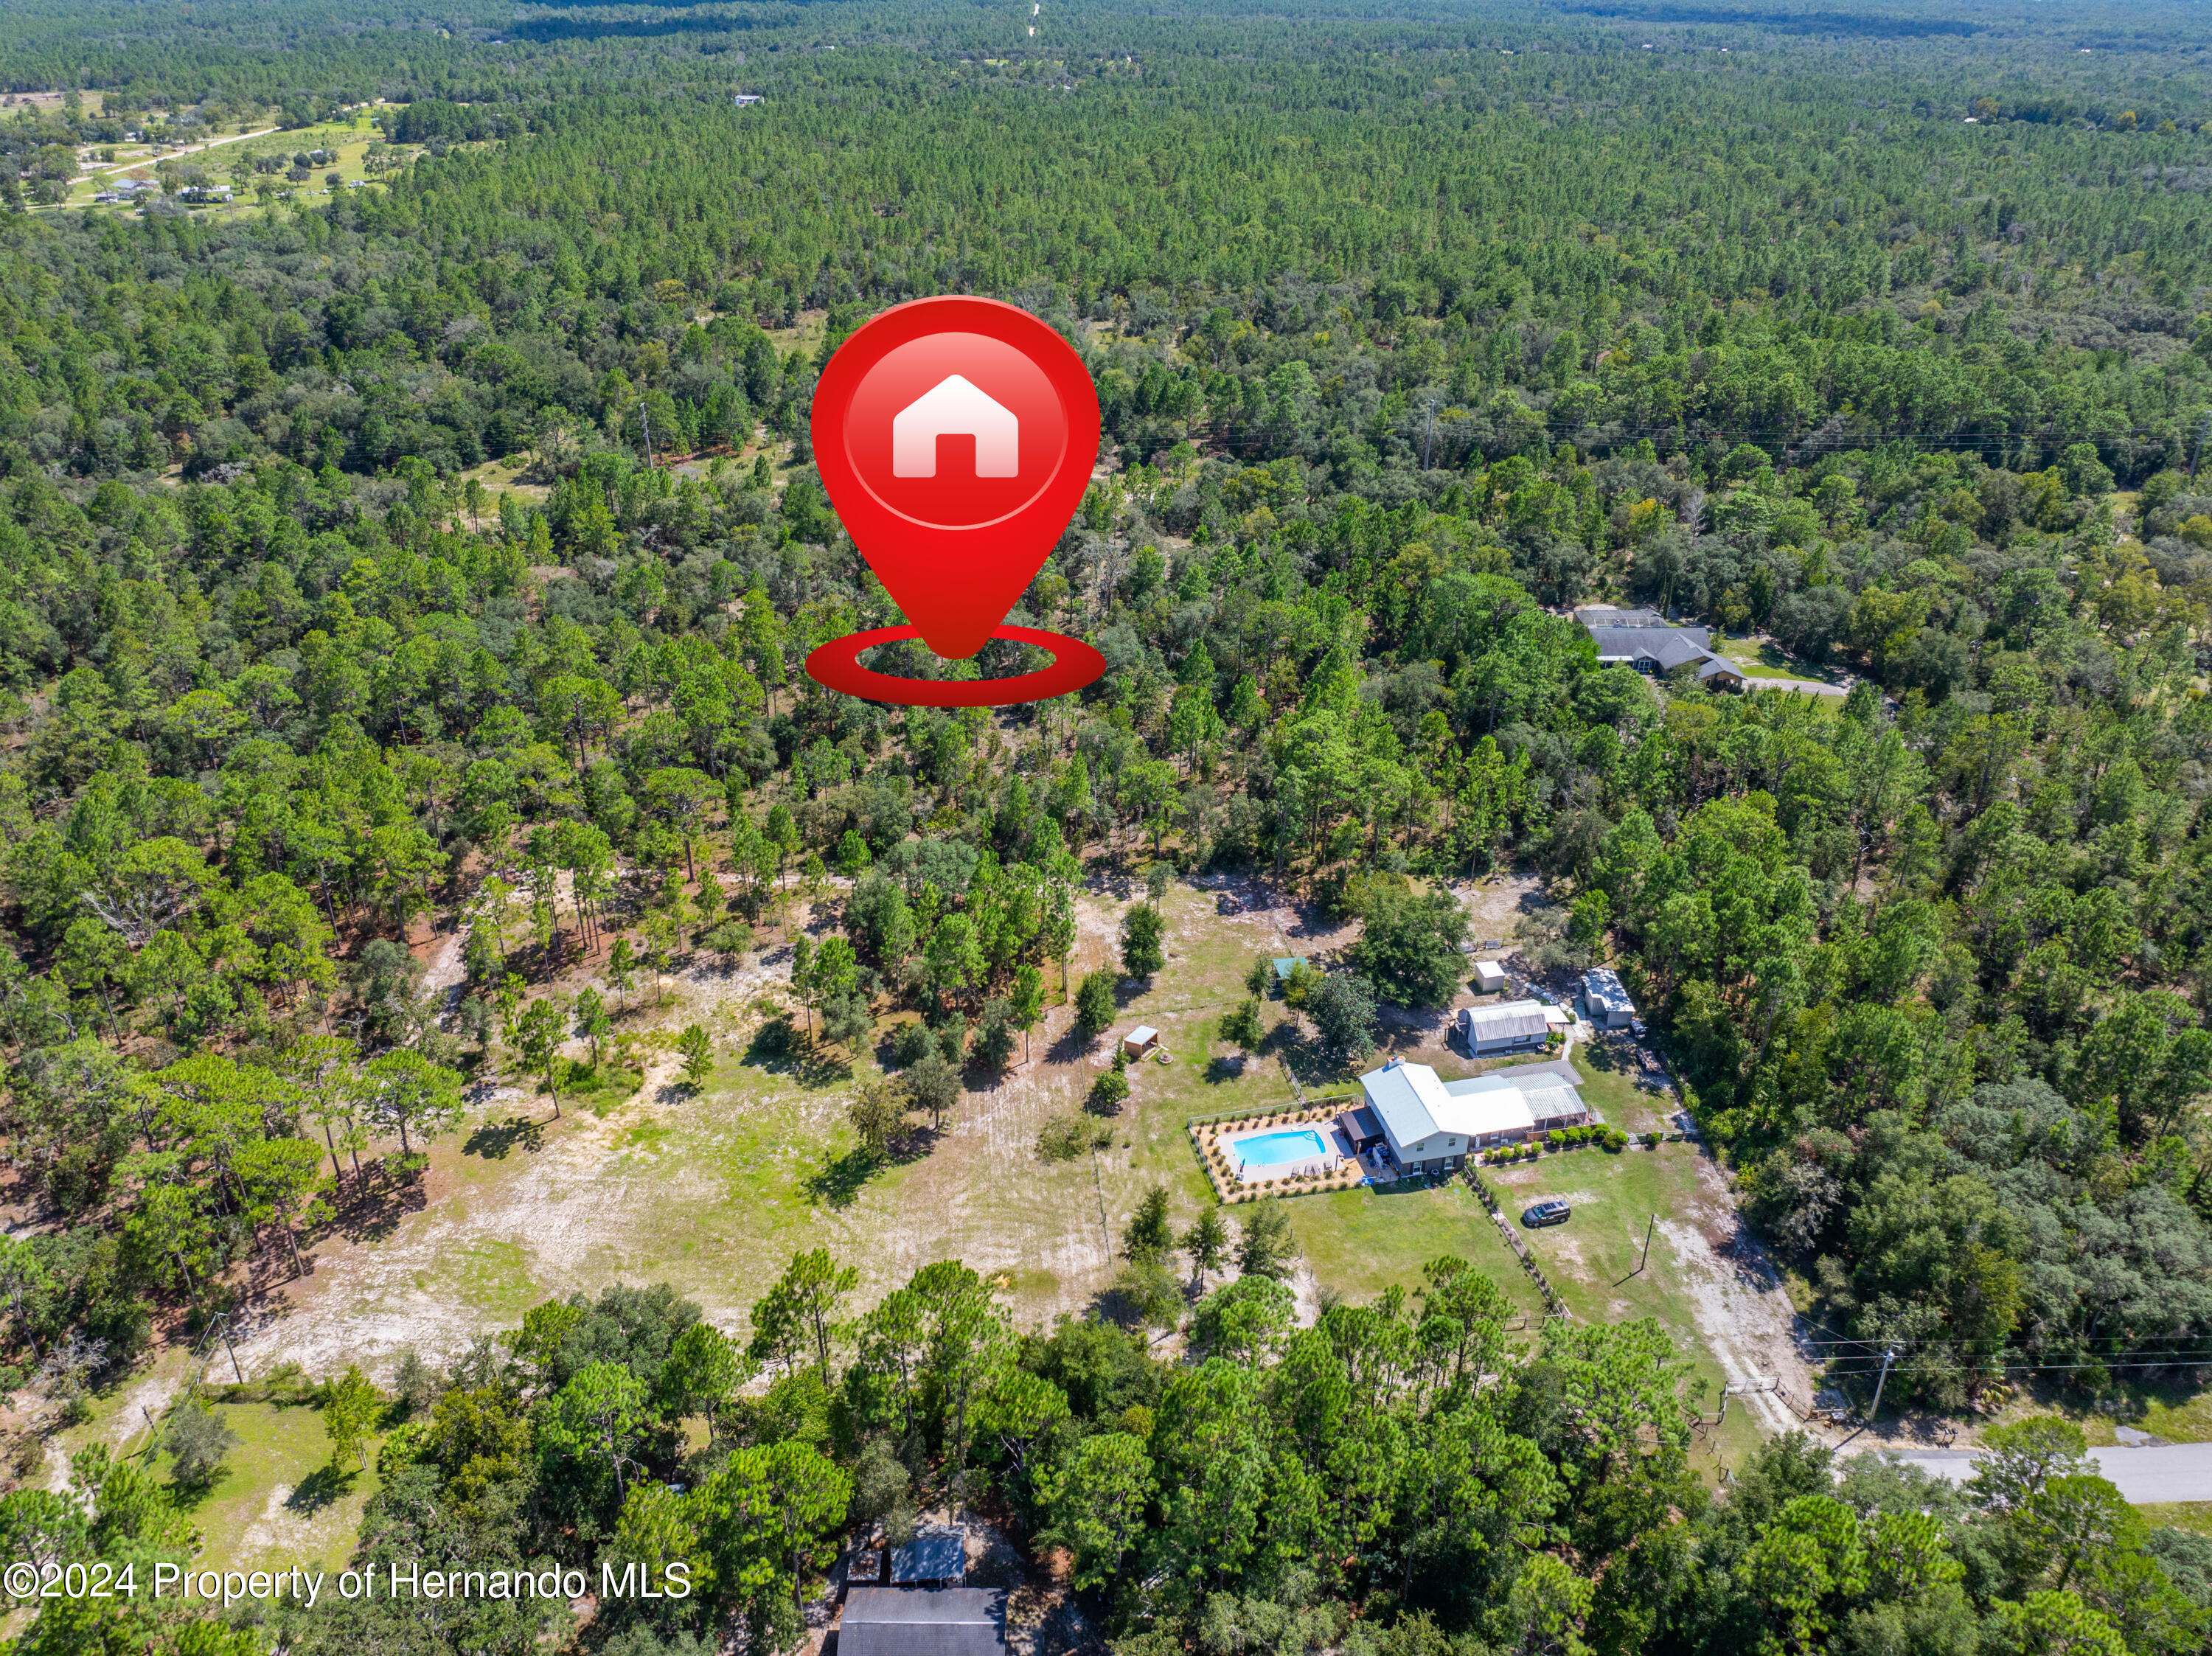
[{"x": 1884, "y": 337}]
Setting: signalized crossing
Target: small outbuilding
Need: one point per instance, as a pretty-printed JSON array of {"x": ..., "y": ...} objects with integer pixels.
[
  {"x": 1288, "y": 967},
  {"x": 1606, "y": 1000},
  {"x": 1489, "y": 978},
  {"x": 1141, "y": 1042},
  {"x": 936, "y": 1558},
  {"x": 1516, "y": 1026},
  {"x": 903, "y": 1622}
]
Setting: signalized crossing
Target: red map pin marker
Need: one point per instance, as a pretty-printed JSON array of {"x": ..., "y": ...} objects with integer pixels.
[{"x": 955, "y": 437}]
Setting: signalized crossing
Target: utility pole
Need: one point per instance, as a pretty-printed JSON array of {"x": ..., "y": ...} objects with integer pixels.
[
  {"x": 221, "y": 1331},
  {"x": 1646, "y": 1255},
  {"x": 2203, "y": 432},
  {"x": 1889, "y": 1357},
  {"x": 1432, "y": 431},
  {"x": 648, "y": 419}
]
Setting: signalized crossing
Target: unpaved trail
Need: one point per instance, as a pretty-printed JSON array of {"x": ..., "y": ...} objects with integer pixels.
[{"x": 1736, "y": 1295}]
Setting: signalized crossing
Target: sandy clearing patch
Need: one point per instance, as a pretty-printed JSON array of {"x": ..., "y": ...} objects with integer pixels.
[
  {"x": 1736, "y": 1295},
  {"x": 279, "y": 1529},
  {"x": 149, "y": 1398}
]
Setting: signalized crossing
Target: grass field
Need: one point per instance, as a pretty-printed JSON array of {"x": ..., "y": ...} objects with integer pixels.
[
  {"x": 2179, "y": 1515},
  {"x": 349, "y": 137},
  {"x": 1763, "y": 658},
  {"x": 1593, "y": 1261},
  {"x": 714, "y": 1190},
  {"x": 1362, "y": 1241},
  {"x": 276, "y": 1499}
]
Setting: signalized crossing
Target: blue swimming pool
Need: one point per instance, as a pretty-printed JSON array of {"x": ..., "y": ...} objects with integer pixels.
[{"x": 1275, "y": 1149}]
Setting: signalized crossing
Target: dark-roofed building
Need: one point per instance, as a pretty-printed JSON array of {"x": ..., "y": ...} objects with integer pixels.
[
  {"x": 1361, "y": 1127},
  {"x": 937, "y": 1557},
  {"x": 1653, "y": 646},
  {"x": 923, "y": 1622}
]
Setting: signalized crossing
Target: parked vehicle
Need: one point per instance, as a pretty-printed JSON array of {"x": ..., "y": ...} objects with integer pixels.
[{"x": 1552, "y": 1210}]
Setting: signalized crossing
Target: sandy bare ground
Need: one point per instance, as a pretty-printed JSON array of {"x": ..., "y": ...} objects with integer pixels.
[
  {"x": 588, "y": 1206},
  {"x": 1736, "y": 1295}
]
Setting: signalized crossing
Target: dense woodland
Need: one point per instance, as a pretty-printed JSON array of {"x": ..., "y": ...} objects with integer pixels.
[{"x": 1411, "y": 333}]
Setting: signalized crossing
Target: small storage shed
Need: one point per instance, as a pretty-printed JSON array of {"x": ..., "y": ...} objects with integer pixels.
[
  {"x": 937, "y": 1557},
  {"x": 1140, "y": 1042},
  {"x": 1489, "y": 978}
]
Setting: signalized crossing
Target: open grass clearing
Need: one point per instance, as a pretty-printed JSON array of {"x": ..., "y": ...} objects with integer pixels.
[
  {"x": 1762, "y": 658},
  {"x": 712, "y": 1190},
  {"x": 1705, "y": 1281},
  {"x": 1361, "y": 1241}
]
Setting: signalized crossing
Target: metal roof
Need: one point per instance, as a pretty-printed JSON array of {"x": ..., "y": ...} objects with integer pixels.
[
  {"x": 1601, "y": 986},
  {"x": 1405, "y": 1098},
  {"x": 1515, "y": 1020},
  {"x": 939, "y": 1553},
  {"x": 1668, "y": 647},
  {"x": 922, "y": 1622}
]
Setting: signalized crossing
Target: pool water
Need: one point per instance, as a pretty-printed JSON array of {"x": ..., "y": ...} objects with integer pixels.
[{"x": 1274, "y": 1149}]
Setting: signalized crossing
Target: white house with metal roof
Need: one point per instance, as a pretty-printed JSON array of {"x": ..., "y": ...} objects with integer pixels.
[{"x": 1431, "y": 1125}]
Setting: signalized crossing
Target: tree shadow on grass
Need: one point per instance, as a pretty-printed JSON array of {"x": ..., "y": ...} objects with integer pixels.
[
  {"x": 839, "y": 1180},
  {"x": 1072, "y": 1045},
  {"x": 1303, "y": 1056},
  {"x": 495, "y": 1139},
  {"x": 374, "y": 1212},
  {"x": 1219, "y": 1071},
  {"x": 781, "y": 1049},
  {"x": 318, "y": 1489}
]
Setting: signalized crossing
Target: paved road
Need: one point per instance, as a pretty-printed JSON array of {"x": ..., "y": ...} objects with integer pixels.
[{"x": 2170, "y": 1471}]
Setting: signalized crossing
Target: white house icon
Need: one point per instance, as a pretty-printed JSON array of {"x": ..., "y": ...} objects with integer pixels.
[{"x": 954, "y": 407}]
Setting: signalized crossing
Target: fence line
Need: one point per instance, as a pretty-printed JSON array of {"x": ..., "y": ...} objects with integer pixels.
[
  {"x": 1552, "y": 1302},
  {"x": 1303, "y": 1104}
]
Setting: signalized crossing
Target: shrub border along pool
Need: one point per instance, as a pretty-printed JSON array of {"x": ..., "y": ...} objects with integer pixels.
[{"x": 1206, "y": 1136}]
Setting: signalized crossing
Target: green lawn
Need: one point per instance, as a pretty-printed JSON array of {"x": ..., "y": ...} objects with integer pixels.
[
  {"x": 1762, "y": 659},
  {"x": 1592, "y": 1259},
  {"x": 2179, "y": 1515},
  {"x": 349, "y": 137},
  {"x": 1361, "y": 1241},
  {"x": 277, "y": 1501}
]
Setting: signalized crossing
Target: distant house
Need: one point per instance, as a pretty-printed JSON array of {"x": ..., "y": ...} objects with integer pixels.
[
  {"x": 899, "y": 1622},
  {"x": 1607, "y": 1003},
  {"x": 1642, "y": 638},
  {"x": 1514, "y": 1027},
  {"x": 1140, "y": 1042},
  {"x": 741, "y": 99},
  {"x": 1431, "y": 1125},
  {"x": 1489, "y": 978},
  {"x": 936, "y": 1558}
]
